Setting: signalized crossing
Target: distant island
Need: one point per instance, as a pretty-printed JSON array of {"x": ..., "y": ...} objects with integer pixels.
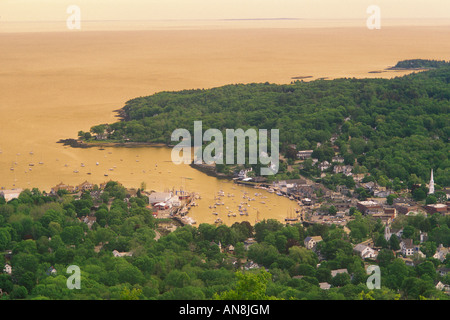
[{"x": 418, "y": 64}]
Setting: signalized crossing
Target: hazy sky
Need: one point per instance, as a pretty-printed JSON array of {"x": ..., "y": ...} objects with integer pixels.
[{"x": 55, "y": 10}]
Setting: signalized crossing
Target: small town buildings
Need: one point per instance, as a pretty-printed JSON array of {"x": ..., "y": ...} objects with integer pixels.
[
  {"x": 338, "y": 271},
  {"x": 62, "y": 186},
  {"x": 407, "y": 247},
  {"x": 174, "y": 201},
  {"x": 388, "y": 232},
  {"x": 423, "y": 237},
  {"x": 85, "y": 186},
  {"x": 311, "y": 242},
  {"x": 159, "y": 197},
  {"x": 338, "y": 159},
  {"x": 405, "y": 208},
  {"x": 369, "y": 207},
  {"x": 304, "y": 154},
  {"x": 443, "y": 287},
  {"x": 364, "y": 251},
  {"x": 325, "y": 165},
  {"x": 251, "y": 265},
  {"x": 387, "y": 216},
  {"x": 51, "y": 271},
  {"x": 347, "y": 170},
  {"x": 248, "y": 242},
  {"x": 441, "y": 253},
  {"x": 443, "y": 271},
  {"x": 436, "y": 208},
  {"x": 7, "y": 269},
  {"x": 122, "y": 254},
  {"x": 89, "y": 220}
]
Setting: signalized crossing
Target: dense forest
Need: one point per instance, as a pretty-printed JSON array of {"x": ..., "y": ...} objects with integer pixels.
[
  {"x": 42, "y": 235},
  {"x": 391, "y": 128},
  {"x": 420, "y": 64}
]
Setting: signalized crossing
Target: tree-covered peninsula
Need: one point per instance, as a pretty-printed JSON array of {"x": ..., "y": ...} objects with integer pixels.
[{"x": 390, "y": 128}]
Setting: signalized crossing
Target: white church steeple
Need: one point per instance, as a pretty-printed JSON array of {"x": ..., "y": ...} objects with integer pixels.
[{"x": 431, "y": 184}]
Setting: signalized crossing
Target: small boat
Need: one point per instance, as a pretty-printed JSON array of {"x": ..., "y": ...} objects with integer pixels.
[{"x": 75, "y": 171}]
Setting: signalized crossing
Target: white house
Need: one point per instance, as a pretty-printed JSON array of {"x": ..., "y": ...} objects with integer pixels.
[
  {"x": 441, "y": 253},
  {"x": 324, "y": 165},
  {"x": 7, "y": 269},
  {"x": 122, "y": 254},
  {"x": 311, "y": 242},
  {"x": 365, "y": 251},
  {"x": 407, "y": 247}
]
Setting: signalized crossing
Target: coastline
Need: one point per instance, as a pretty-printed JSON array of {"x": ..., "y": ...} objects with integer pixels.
[{"x": 75, "y": 143}]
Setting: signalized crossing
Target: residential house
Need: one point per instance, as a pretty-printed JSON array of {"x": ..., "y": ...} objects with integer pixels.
[
  {"x": 347, "y": 170},
  {"x": 304, "y": 154},
  {"x": 243, "y": 173},
  {"x": 443, "y": 287},
  {"x": 364, "y": 251},
  {"x": 51, "y": 271},
  {"x": 423, "y": 237},
  {"x": 407, "y": 247},
  {"x": 62, "y": 186},
  {"x": 248, "y": 242},
  {"x": 122, "y": 254},
  {"x": 338, "y": 271},
  {"x": 325, "y": 165},
  {"x": 7, "y": 269},
  {"x": 381, "y": 192},
  {"x": 441, "y": 253},
  {"x": 388, "y": 232},
  {"x": 251, "y": 265},
  {"x": 85, "y": 186},
  {"x": 311, "y": 242},
  {"x": 89, "y": 220},
  {"x": 338, "y": 159},
  {"x": 443, "y": 271}
]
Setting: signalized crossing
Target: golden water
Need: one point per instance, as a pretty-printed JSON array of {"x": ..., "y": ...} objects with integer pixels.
[{"x": 53, "y": 84}]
